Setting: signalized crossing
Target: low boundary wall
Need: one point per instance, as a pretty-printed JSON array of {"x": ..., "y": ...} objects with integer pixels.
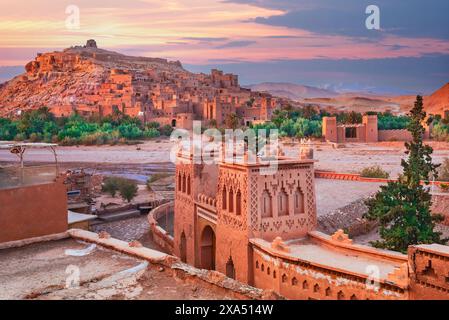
[
  {"x": 357, "y": 177},
  {"x": 211, "y": 280},
  {"x": 161, "y": 236},
  {"x": 395, "y": 135}
]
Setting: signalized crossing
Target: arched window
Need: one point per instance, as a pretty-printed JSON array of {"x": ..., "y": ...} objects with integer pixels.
[
  {"x": 189, "y": 186},
  {"x": 268, "y": 270},
  {"x": 184, "y": 182},
  {"x": 340, "y": 295},
  {"x": 283, "y": 203},
  {"x": 238, "y": 203},
  {"x": 299, "y": 202},
  {"x": 179, "y": 182},
  {"x": 353, "y": 297},
  {"x": 231, "y": 201},
  {"x": 266, "y": 205},
  {"x": 257, "y": 264},
  {"x": 305, "y": 285},
  {"x": 274, "y": 274},
  {"x": 183, "y": 247},
  {"x": 316, "y": 288},
  {"x": 224, "y": 199},
  {"x": 294, "y": 282},
  {"x": 328, "y": 292},
  {"x": 262, "y": 267},
  {"x": 211, "y": 112},
  {"x": 284, "y": 278}
]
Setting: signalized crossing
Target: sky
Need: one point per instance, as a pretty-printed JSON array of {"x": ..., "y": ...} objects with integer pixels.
[{"x": 323, "y": 43}]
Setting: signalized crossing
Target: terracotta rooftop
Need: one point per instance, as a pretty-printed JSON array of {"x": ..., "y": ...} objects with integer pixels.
[
  {"x": 358, "y": 261},
  {"x": 108, "y": 269}
]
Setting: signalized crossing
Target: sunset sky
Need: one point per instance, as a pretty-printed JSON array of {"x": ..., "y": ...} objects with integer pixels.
[{"x": 321, "y": 42}]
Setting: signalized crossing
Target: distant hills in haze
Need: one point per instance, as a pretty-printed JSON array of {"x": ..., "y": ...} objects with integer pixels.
[
  {"x": 292, "y": 91},
  {"x": 361, "y": 101}
]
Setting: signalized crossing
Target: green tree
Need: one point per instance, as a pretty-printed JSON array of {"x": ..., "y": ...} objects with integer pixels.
[
  {"x": 130, "y": 131},
  {"x": 402, "y": 208},
  {"x": 111, "y": 185},
  {"x": 128, "y": 190}
]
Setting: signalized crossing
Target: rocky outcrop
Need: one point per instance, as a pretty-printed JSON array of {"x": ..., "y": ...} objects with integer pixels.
[{"x": 80, "y": 76}]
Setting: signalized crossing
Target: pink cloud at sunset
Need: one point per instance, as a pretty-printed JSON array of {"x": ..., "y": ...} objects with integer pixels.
[{"x": 195, "y": 32}]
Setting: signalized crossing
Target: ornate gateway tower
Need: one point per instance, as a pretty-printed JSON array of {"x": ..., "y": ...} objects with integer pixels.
[{"x": 219, "y": 208}]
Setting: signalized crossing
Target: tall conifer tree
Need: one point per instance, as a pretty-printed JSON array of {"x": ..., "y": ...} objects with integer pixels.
[{"x": 402, "y": 208}]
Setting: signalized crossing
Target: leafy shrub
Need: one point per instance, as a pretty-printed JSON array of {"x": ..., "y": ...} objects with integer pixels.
[
  {"x": 374, "y": 172},
  {"x": 387, "y": 121},
  {"x": 112, "y": 185},
  {"x": 440, "y": 131},
  {"x": 8, "y": 129},
  {"x": 151, "y": 133},
  {"x": 130, "y": 131},
  {"x": 166, "y": 130},
  {"x": 128, "y": 190}
]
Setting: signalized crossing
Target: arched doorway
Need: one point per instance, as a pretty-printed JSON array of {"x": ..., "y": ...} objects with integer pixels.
[
  {"x": 208, "y": 249},
  {"x": 230, "y": 269},
  {"x": 173, "y": 123},
  {"x": 183, "y": 247}
]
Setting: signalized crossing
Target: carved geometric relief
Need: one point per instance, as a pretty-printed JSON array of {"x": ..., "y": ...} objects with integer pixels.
[
  {"x": 254, "y": 214},
  {"x": 310, "y": 198}
]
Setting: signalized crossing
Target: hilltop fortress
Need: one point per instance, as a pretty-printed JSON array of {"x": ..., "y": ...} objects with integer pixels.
[{"x": 96, "y": 82}]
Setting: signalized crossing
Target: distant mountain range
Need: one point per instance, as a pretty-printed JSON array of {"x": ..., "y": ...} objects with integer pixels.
[
  {"x": 362, "y": 101},
  {"x": 292, "y": 91}
]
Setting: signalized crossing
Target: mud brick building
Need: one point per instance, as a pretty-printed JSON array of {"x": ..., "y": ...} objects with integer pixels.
[{"x": 260, "y": 229}]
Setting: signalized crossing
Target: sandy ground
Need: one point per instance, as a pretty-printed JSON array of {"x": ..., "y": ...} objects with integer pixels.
[
  {"x": 335, "y": 194},
  {"x": 352, "y": 158}
]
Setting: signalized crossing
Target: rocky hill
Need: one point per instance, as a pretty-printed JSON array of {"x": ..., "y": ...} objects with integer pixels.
[
  {"x": 73, "y": 75},
  {"x": 438, "y": 102}
]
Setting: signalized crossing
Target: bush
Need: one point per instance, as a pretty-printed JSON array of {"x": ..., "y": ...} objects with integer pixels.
[
  {"x": 440, "y": 131},
  {"x": 35, "y": 137},
  {"x": 387, "y": 121},
  {"x": 153, "y": 125},
  {"x": 130, "y": 131},
  {"x": 128, "y": 190},
  {"x": 8, "y": 129},
  {"x": 166, "y": 130},
  {"x": 111, "y": 185},
  {"x": 67, "y": 141},
  {"x": 374, "y": 172},
  {"x": 151, "y": 133}
]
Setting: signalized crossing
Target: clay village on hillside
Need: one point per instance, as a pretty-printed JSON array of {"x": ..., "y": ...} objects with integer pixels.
[{"x": 102, "y": 195}]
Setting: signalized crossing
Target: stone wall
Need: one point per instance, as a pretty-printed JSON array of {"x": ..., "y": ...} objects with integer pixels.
[{"x": 395, "y": 135}]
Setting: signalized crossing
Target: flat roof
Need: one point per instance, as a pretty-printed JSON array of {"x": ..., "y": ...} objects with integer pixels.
[
  {"x": 438, "y": 249},
  {"x": 350, "y": 262},
  {"x": 42, "y": 271}
]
